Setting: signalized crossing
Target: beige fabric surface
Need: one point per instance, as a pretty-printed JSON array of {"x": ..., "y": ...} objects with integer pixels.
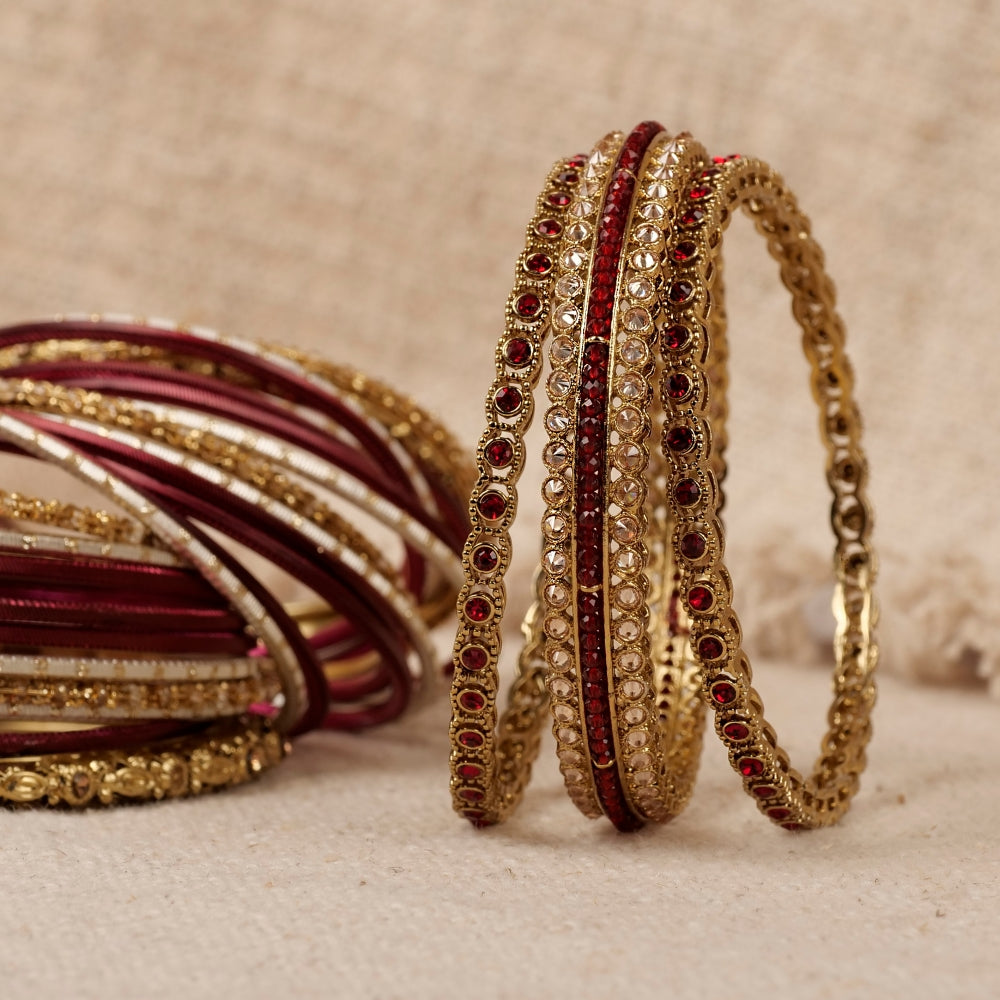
[{"x": 355, "y": 179}]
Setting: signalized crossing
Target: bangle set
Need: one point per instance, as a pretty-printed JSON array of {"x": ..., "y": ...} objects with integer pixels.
[
  {"x": 632, "y": 631},
  {"x": 139, "y": 655}
]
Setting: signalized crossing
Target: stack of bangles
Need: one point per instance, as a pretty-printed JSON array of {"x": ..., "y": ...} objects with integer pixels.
[
  {"x": 632, "y": 632},
  {"x": 140, "y": 657}
]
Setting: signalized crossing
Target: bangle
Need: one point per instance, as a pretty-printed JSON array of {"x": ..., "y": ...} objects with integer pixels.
[
  {"x": 715, "y": 190},
  {"x": 224, "y": 755}
]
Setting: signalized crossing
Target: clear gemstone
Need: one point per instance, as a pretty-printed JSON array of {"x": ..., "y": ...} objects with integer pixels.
[
  {"x": 555, "y": 561},
  {"x": 554, "y": 490},
  {"x": 633, "y": 689},
  {"x": 572, "y": 758},
  {"x": 640, "y": 761},
  {"x": 631, "y": 388},
  {"x": 557, "y": 420},
  {"x": 628, "y": 629},
  {"x": 625, "y": 530},
  {"x": 581, "y": 209},
  {"x": 628, "y": 456},
  {"x": 565, "y": 316},
  {"x": 656, "y": 189},
  {"x": 573, "y": 775},
  {"x": 567, "y": 735},
  {"x": 636, "y": 319},
  {"x": 562, "y": 349},
  {"x": 635, "y": 716},
  {"x": 628, "y": 420},
  {"x": 554, "y": 526},
  {"x": 647, "y": 234},
  {"x": 560, "y": 687},
  {"x": 660, "y": 172},
  {"x": 556, "y": 627},
  {"x": 574, "y": 257},
  {"x": 559, "y": 659},
  {"x": 630, "y": 660},
  {"x": 563, "y": 713},
  {"x": 627, "y": 492},
  {"x": 588, "y": 189},
  {"x": 568, "y": 286},
  {"x": 556, "y": 454},
  {"x": 644, "y": 778},
  {"x": 579, "y": 231},
  {"x": 637, "y": 739},
  {"x": 628, "y": 597},
  {"x": 634, "y": 352},
  {"x": 652, "y": 211},
  {"x": 639, "y": 287},
  {"x": 559, "y": 384},
  {"x": 627, "y": 561},
  {"x": 643, "y": 260},
  {"x": 556, "y": 594}
]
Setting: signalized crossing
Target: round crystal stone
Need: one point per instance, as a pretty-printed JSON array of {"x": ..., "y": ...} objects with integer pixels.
[
  {"x": 633, "y": 689},
  {"x": 635, "y": 716},
  {"x": 630, "y": 660},
  {"x": 574, "y": 775},
  {"x": 647, "y": 234},
  {"x": 556, "y": 455},
  {"x": 562, "y": 349},
  {"x": 559, "y": 659},
  {"x": 625, "y": 530},
  {"x": 628, "y": 629},
  {"x": 554, "y": 526},
  {"x": 643, "y": 260},
  {"x": 582, "y": 208},
  {"x": 554, "y": 562},
  {"x": 572, "y": 758},
  {"x": 636, "y": 319},
  {"x": 656, "y": 189},
  {"x": 567, "y": 735},
  {"x": 554, "y": 490},
  {"x": 556, "y": 595},
  {"x": 563, "y": 713},
  {"x": 579, "y": 231},
  {"x": 627, "y": 561},
  {"x": 634, "y": 352},
  {"x": 556, "y": 627},
  {"x": 560, "y": 687},
  {"x": 559, "y": 384},
  {"x": 631, "y": 388},
  {"x": 628, "y": 420},
  {"x": 652, "y": 211},
  {"x": 639, "y": 287},
  {"x": 574, "y": 258},
  {"x": 557, "y": 420},
  {"x": 628, "y": 456},
  {"x": 568, "y": 286},
  {"x": 627, "y": 597},
  {"x": 637, "y": 739},
  {"x": 565, "y": 316},
  {"x": 640, "y": 761},
  {"x": 627, "y": 492},
  {"x": 588, "y": 189},
  {"x": 644, "y": 778}
]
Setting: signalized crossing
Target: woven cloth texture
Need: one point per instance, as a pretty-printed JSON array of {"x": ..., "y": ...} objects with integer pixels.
[{"x": 355, "y": 179}]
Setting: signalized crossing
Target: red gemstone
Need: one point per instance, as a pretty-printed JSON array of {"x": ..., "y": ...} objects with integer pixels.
[
  {"x": 711, "y": 648},
  {"x": 485, "y": 558},
  {"x": 736, "y": 731},
  {"x": 469, "y": 771},
  {"x": 719, "y": 159},
  {"x": 478, "y": 609},
  {"x": 472, "y": 701},
  {"x": 692, "y": 216},
  {"x": 723, "y": 693},
  {"x": 517, "y": 352},
  {"x": 549, "y": 228},
  {"x": 508, "y": 400},
  {"x": 684, "y": 251},
  {"x": 680, "y": 439},
  {"x": 792, "y": 826},
  {"x": 678, "y": 386},
  {"x": 750, "y": 767},
  {"x": 492, "y": 505},
  {"x": 701, "y": 598},
  {"x": 568, "y": 177},
  {"x": 680, "y": 292},
  {"x": 471, "y": 794},
  {"x": 580, "y": 160},
  {"x": 687, "y": 492},
  {"x": 765, "y": 791},
  {"x": 779, "y": 813},
  {"x": 470, "y": 739},
  {"x": 538, "y": 263},
  {"x": 475, "y": 815},
  {"x": 676, "y": 337},
  {"x": 499, "y": 453},
  {"x": 559, "y": 199},
  {"x": 474, "y": 657},
  {"x": 698, "y": 193},
  {"x": 528, "y": 305},
  {"x": 693, "y": 545}
]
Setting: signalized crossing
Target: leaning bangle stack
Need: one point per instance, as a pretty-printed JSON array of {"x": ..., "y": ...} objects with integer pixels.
[
  {"x": 137, "y": 631},
  {"x": 632, "y": 634}
]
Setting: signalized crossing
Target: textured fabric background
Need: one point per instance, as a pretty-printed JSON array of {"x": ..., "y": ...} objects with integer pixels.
[{"x": 355, "y": 178}]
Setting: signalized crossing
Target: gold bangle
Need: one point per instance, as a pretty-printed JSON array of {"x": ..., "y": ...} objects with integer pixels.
[{"x": 229, "y": 753}]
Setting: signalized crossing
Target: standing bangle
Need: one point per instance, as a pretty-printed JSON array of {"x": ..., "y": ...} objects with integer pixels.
[{"x": 715, "y": 190}]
